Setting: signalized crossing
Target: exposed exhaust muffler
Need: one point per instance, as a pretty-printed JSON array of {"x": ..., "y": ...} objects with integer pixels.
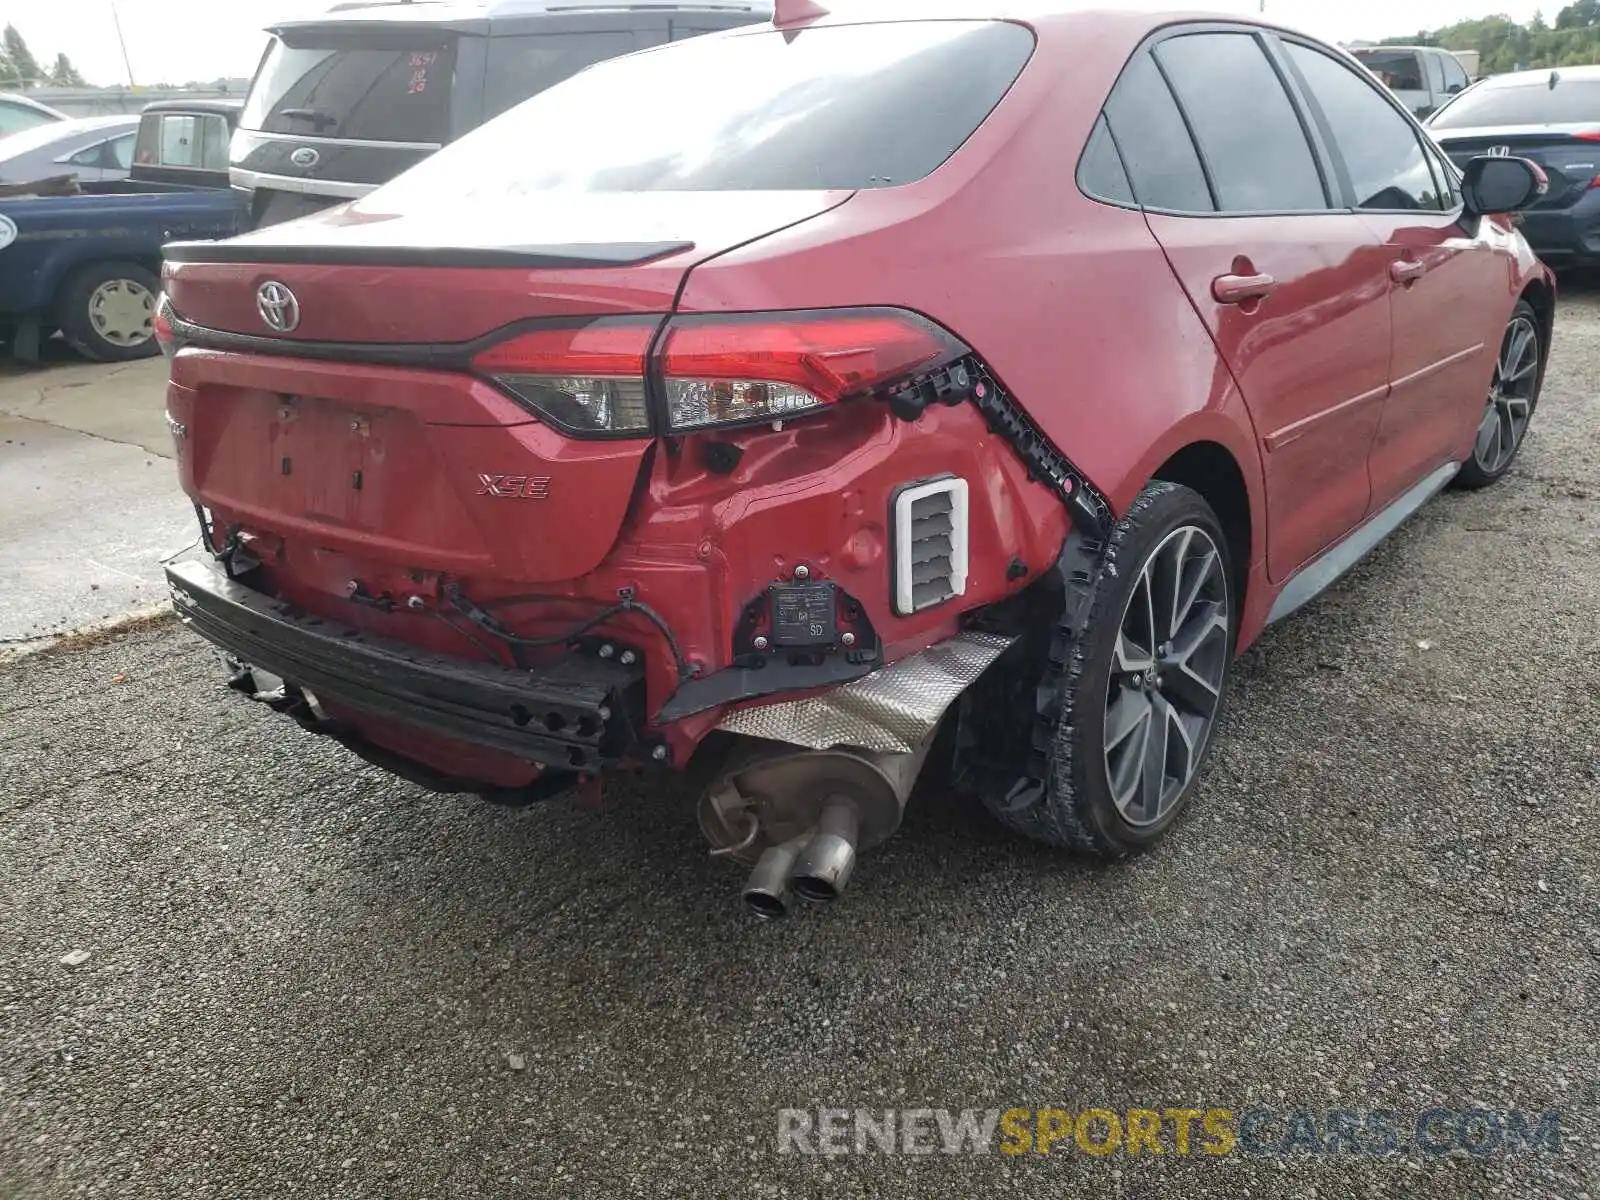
[{"x": 802, "y": 816}]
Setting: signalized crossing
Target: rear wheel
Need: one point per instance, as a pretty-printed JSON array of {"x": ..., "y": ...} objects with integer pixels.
[
  {"x": 1133, "y": 712},
  {"x": 1513, "y": 395},
  {"x": 105, "y": 312}
]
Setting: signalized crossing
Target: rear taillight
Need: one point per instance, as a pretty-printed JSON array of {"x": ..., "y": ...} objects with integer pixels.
[
  {"x": 723, "y": 370},
  {"x": 592, "y": 379},
  {"x": 161, "y": 326},
  {"x": 1589, "y": 135},
  {"x": 587, "y": 379}
]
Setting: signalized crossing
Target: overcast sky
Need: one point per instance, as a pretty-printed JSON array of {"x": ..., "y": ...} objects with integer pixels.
[{"x": 179, "y": 40}]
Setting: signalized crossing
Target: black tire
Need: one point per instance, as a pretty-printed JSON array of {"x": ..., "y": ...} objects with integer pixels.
[
  {"x": 1072, "y": 804},
  {"x": 1511, "y": 403},
  {"x": 81, "y": 313}
]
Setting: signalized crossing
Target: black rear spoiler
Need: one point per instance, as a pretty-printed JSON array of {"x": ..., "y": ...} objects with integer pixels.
[{"x": 558, "y": 256}]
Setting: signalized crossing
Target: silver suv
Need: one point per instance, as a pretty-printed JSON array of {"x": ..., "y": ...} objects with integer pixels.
[{"x": 346, "y": 101}]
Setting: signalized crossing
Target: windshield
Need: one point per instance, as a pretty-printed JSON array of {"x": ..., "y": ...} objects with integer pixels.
[
  {"x": 844, "y": 107},
  {"x": 1570, "y": 102},
  {"x": 339, "y": 88}
]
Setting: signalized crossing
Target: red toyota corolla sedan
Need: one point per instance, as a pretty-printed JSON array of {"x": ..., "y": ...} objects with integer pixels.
[{"x": 765, "y": 401}]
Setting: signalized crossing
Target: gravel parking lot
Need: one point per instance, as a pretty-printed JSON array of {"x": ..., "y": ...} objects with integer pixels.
[{"x": 304, "y": 976}]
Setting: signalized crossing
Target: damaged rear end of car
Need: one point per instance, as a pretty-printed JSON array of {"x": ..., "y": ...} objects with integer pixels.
[{"x": 548, "y": 474}]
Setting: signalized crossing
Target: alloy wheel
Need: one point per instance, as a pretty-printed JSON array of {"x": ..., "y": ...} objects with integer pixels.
[
  {"x": 1511, "y": 396},
  {"x": 121, "y": 311},
  {"x": 1167, "y": 673}
]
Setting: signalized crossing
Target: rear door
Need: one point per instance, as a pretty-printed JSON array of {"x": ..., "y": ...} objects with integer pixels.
[
  {"x": 1294, "y": 293},
  {"x": 1445, "y": 334}
]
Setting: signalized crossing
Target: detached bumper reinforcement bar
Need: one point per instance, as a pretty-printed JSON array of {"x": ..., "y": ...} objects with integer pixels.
[{"x": 577, "y": 714}]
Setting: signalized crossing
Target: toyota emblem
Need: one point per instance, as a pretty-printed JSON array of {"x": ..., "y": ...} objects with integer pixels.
[
  {"x": 277, "y": 306},
  {"x": 305, "y": 156}
]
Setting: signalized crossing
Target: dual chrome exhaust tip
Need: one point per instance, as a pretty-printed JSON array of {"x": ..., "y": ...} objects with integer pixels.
[
  {"x": 801, "y": 817},
  {"x": 814, "y": 867}
]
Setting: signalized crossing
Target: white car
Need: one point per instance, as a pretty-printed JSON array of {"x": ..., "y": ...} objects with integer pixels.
[
  {"x": 95, "y": 149},
  {"x": 18, "y": 113}
]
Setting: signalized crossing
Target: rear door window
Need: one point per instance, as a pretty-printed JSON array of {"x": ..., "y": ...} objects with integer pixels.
[
  {"x": 846, "y": 107},
  {"x": 522, "y": 67},
  {"x": 339, "y": 88},
  {"x": 1156, "y": 148},
  {"x": 1249, "y": 134}
]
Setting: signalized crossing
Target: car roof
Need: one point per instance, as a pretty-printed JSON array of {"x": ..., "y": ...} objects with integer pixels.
[
  {"x": 1399, "y": 49},
  {"x": 1138, "y": 14},
  {"x": 1546, "y": 76},
  {"x": 28, "y": 102},
  {"x": 74, "y": 125},
  {"x": 51, "y": 138}
]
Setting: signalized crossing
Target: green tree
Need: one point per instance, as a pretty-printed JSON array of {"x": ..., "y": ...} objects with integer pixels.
[
  {"x": 8, "y": 72},
  {"x": 1504, "y": 45},
  {"x": 1582, "y": 15},
  {"x": 64, "y": 74},
  {"x": 24, "y": 66}
]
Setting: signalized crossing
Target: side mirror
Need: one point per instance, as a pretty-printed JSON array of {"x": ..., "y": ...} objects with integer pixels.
[{"x": 1501, "y": 185}]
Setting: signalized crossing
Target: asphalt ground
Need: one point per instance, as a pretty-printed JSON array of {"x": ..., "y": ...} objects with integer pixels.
[{"x": 304, "y": 977}]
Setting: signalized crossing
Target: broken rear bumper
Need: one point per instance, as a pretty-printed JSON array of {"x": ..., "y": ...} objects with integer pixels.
[{"x": 578, "y": 714}]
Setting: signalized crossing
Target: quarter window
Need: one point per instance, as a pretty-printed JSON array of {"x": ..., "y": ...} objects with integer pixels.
[
  {"x": 1100, "y": 173},
  {"x": 1156, "y": 149},
  {"x": 1249, "y": 133},
  {"x": 1381, "y": 149}
]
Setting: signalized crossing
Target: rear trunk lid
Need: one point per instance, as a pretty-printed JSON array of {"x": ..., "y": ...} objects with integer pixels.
[
  {"x": 362, "y": 432},
  {"x": 1569, "y": 154}
]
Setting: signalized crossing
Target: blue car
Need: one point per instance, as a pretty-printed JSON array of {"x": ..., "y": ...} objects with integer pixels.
[
  {"x": 1551, "y": 117},
  {"x": 82, "y": 254}
]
